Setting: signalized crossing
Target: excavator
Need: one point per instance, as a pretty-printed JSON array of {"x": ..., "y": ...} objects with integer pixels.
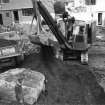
[{"x": 68, "y": 44}]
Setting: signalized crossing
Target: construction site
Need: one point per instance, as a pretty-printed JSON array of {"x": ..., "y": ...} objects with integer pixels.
[{"x": 53, "y": 60}]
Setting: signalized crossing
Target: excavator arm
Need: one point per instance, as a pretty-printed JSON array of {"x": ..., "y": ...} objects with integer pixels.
[
  {"x": 39, "y": 7},
  {"x": 78, "y": 47}
]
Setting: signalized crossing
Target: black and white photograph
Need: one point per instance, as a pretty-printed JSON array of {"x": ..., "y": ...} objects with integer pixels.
[{"x": 52, "y": 52}]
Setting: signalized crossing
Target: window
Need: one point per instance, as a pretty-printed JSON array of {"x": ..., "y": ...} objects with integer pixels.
[
  {"x": 7, "y": 14},
  {"x": 27, "y": 12},
  {"x": 0, "y": 1},
  {"x": 90, "y": 2},
  {"x": 5, "y": 1},
  {"x": 99, "y": 18},
  {"x": 93, "y": 2}
]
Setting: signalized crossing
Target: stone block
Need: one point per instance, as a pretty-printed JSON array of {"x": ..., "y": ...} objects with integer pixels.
[{"x": 32, "y": 84}]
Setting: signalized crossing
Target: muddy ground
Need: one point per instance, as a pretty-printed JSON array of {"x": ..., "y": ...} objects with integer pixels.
[{"x": 70, "y": 83}]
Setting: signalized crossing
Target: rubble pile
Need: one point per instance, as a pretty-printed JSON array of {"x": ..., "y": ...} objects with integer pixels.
[{"x": 30, "y": 48}]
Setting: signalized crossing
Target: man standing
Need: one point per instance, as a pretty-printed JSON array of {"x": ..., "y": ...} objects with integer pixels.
[{"x": 70, "y": 24}]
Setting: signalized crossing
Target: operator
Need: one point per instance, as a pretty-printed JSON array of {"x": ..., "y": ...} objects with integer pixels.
[
  {"x": 70, "y": 24},
  {"x": 65, "y": 16}
]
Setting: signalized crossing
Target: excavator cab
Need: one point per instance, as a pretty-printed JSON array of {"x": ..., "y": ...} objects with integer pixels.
[
  {"x": 80, "y": 38},
  {"x": 79, "y": 33}
]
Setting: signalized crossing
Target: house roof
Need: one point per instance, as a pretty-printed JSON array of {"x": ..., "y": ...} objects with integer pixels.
[
  {"x": 16, "y": 4},
  {"x": 19, "y": 4}
]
